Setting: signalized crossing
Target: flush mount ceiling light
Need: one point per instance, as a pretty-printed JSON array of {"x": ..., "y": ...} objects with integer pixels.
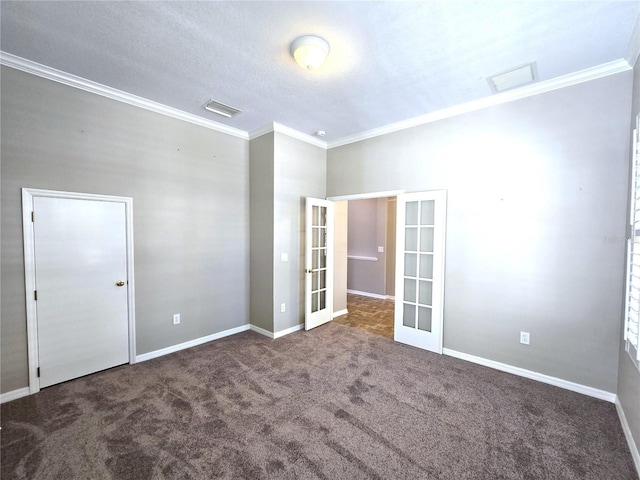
[
  {"x": 516, "y": 77},
  {"x": 221, "y": 108},
  {"x": 309, "y": 51}
]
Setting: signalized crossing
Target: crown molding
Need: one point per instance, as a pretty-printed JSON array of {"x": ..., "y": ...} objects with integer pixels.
[
  {"x": 258, "y": 132},
  {"x": 633, "y": 50},
  {"x": 71, "y": 80},
  {"x": 288, "y": 131},
  {"x": 581, "y": 76}
]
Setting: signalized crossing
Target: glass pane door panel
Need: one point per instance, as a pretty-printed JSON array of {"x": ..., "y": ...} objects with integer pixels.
[
  {"x": 411, "y": 215},
  {"x": 322, "y": 257},
  {"x": 323, "y": 279},
  {"x": 426, "y": 266},
  {"x": 424, "y": 319},
  {"x": 323, "y": 300},
  {"x": 315, "y": 240},
  {"x": 426, "y": 212},
  {"x": 323, "y": 216},
  {"x": 322, "y": 237},
  {"x": 411, "y": 239},
  {"x": 409, "y": 290},
  {"x": 314, "y": 302},
  {"x": 315, "y": 259},
  {"x": 315, "y": 216},
  {"x": 425, "y": 292},
  {"x": 410, "y": 264},
  {"x": 426, "y": 239},
  {"x": 409, "y": 315},
  {"x": 314, "y": 281}
]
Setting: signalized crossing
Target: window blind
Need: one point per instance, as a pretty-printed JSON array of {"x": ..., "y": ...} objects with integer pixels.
[{"x": 632, "y": 318}]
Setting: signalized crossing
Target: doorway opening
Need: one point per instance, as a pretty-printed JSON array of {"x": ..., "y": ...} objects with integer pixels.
[
  {"x": 370, "y": 264},
  {"x": 419, "y": 252}
]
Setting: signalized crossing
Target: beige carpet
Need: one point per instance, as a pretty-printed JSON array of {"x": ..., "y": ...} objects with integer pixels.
[{"x": 333, "y": 403}]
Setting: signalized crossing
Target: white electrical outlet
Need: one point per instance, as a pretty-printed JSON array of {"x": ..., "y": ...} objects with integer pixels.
[
  {"x": 283, "y": 307},
  {"x": 524, "y": 338},
  {"x": 380, "y": 249},
  {"x": 176, "y": 318}
]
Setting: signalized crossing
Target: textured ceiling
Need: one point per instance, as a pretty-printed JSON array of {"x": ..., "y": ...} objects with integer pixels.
[{"x": 389, "y": 61}]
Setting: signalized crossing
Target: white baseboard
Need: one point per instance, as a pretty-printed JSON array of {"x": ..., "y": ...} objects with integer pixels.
[
  {"x": 14, "y": 394},
  {"x": 627, "y": 433},
  {"x": 339, "y": 313},
  {"x": 287, "y": 331},
  {"x": 261, "y": 331},
  {"x": 190, "y": 343},
  {"x": 540, "y": 377},
  {"x": 367, "y": 294},
  {"x": 391, "y": 297},
  {"x": 275, "y": 335}
]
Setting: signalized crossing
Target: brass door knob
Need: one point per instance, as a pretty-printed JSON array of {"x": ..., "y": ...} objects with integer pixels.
[
  {"x": 309, "y": 270},
  {"x": 120, "y": 283}
]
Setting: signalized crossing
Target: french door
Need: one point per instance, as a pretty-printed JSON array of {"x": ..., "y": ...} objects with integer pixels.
[
  {"x": 318, "y": 262},
  {"x": 420, "y": 247}
]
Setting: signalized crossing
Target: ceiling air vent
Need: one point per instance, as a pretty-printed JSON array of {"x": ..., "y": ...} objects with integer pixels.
[
  {"x": 221, "y": 108},
  {"x": 516, "y": 77}
]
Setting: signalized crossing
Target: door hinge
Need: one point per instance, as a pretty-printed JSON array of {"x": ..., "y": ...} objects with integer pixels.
[
  {"x": 33, "y": 216},
  {"x": 38, "y": 372},
  {"x": 35, "y": 295}
]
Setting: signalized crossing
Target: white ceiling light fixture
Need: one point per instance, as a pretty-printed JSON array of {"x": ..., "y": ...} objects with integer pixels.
[{"x": 310, "y": 51}]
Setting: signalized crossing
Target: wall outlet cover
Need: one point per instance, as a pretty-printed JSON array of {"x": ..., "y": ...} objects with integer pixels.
[
  {"x": 525, "y": 338},
  {"x": 176, "y": 318}
]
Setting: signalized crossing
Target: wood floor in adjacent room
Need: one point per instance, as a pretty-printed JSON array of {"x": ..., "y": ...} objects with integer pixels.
[{"x": 370, "y": 314}]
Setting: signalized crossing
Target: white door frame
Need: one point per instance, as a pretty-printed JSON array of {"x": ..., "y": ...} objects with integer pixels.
[{"x": 28, "y": 195}]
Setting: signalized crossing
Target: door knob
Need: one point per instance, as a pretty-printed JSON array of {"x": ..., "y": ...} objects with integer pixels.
[
  {"x": 309, "y": 270},
  {"x": 120, "y": 283}
]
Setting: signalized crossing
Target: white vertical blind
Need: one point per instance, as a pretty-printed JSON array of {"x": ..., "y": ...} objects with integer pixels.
[{"x": 631, "y": 330}]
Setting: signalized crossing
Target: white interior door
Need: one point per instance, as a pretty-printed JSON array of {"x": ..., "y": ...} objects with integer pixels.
[
  {"x": 318, "y": 262},
  {"x": 420, "y": 245},
  {"x": 80, "y": 249}
]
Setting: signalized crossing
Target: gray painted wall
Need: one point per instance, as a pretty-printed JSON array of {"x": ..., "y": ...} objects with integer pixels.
[
  {"x": 341, "y": 239},
  {"x": 261, "y": 258},
  {"x": 628, "y": 374},
  {"x": 190, "y": 207},
  {"x": 535, "y": 216},
  {"x": 367, "y": 231},
  {"x": 299, "y": 172}
]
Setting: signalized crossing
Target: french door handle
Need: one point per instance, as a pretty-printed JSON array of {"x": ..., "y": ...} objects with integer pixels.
[
  {"x": 120, "y": 283},
  {"x": 308, "y": 270}
]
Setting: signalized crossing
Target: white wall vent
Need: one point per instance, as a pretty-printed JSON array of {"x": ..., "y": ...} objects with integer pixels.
[
  {"x": 516, "y": 77},
  {"x": 221, "y": 108}
]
